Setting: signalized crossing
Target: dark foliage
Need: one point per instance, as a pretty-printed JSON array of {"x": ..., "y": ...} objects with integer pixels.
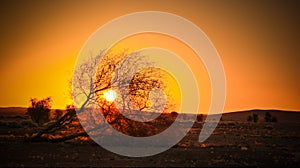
[
  {"x": 39, "y": 110},
  {"x": 270, "y": 118},
  {"x": 253, "y": 118},
  {"x": 199, "y": 117}
]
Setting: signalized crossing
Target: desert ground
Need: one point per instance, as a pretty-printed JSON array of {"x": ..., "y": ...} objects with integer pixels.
[{"x": 235, "y": 142}]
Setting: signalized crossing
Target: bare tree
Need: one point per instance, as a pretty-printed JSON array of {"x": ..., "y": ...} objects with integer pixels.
[{"x": 132, "y": 76}]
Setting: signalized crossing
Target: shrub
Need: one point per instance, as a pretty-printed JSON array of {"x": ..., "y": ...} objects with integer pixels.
[
  {"x": 255, "y": 118},
  {"x": 268, "y": 117},
  {"x": 199, "y": 117},
  {"x": 173, "y": 113},
  {"x": 39, "y": 110},
  {"x": 70, "y": 109}
]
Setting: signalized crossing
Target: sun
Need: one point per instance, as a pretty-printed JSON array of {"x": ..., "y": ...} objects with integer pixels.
[{"x": 110, "y": 95}]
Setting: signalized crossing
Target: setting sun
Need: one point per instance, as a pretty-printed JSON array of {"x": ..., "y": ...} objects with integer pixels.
[{"x": 110, "y": 95}]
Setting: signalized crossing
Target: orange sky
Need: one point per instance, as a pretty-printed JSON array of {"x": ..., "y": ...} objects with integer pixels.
[
  {"x": 141, "y": 41},
  {"x": 257, "y": 42}
]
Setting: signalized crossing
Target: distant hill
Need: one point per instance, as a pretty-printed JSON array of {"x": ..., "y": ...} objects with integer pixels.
[
  {"x": 15, "y": 111},
  {"x": 12, "y": 111},
  {"x": 282, "y": 116}
]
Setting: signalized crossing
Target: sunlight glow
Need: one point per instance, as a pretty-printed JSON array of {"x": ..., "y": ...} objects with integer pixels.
[{"x": 110, "y": 95}]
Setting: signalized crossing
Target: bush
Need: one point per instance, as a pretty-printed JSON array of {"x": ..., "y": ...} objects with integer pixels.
[
  {"x": 70, "y": 109},
  {"x": 269, "y": 118},
  {"x": 199, "y": 117},
  {"x": 39, "y": 111},
  {"x": 253, "y": 118}
]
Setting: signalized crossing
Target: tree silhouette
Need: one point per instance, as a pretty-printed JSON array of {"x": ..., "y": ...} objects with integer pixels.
[
  {"x": 269, "y": 117},
  {"x": 39, "y": 110},
  {"x": 253, "y": 118},
  {"x": 199, "y": 117},
  {"x": 92, "y": 79}
]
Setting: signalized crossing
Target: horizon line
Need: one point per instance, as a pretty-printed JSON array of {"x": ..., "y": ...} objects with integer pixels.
[{"x": 231, "y": 111}]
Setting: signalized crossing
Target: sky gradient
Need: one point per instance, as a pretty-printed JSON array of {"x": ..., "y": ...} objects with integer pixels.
[{"x": 258, "y": 42}]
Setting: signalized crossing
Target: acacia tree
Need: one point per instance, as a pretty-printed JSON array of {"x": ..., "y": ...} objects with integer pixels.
[{"x": 92, "y": 79}]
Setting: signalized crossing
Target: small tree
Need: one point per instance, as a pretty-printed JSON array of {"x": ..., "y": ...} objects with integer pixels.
[
  {"x": 39, "y": 110},
  {"x": 253, "y": 117},
  {"x": 268, "y": 117}
]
